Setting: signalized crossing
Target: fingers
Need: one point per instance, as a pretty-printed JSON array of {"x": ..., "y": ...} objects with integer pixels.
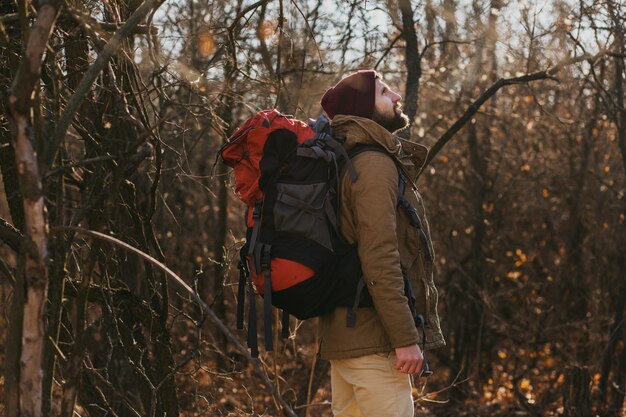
[
  {"x": 410, "y": 366},
  {"x": 409, "y": 359}
]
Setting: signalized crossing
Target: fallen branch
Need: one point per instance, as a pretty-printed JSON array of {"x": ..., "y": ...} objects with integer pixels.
[
  {"x": 475, "y": 106},
  {"x": 216, "y": 320}
]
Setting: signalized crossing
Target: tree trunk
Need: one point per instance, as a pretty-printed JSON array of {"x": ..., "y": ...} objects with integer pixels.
[
  {"x": 8, "y": 67},
  {"x": 14, "y": 346},
  {"x": 413, "y": 63},
  {"x": 36, "y": 248},
  {"x": 576, "y": 397},
  {"x": 219, "y": 305}
]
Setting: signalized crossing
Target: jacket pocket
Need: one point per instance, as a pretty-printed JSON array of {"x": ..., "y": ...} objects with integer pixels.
[{"x": 301, "y": 209}]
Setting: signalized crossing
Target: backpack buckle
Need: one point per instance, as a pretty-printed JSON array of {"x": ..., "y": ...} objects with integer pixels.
[
  {"x": 411, "y": 212},
  {"x": 256, "y": 211},
  {"x": 266, "y": 258}
]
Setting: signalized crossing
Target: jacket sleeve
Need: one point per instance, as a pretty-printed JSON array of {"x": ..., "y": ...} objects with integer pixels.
[{"x": 373, "y": 197}]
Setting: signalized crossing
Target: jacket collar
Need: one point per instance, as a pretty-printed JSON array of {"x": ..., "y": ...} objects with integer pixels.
[{"x": 362, "y": 130}]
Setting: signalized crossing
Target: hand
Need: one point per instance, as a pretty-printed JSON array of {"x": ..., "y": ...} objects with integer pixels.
[{"x": 410, "y": 359}]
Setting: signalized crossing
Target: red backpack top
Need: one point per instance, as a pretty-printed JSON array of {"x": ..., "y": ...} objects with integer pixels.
[{"x": 244, "y": 150}]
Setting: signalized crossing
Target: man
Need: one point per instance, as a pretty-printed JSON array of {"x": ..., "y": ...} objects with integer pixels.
[{"x": 372, "y": 362}]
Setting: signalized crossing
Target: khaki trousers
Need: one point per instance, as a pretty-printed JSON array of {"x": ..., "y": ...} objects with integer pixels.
[{"x": 369, "y": 386}]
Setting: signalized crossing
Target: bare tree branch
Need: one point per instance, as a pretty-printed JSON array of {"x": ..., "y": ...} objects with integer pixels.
[
  {"x": 90, "y": 76},
  {"x": 10, "y": 235},
  {"x": 231, "y": 337},
  {"x": 475, "y": 106}
]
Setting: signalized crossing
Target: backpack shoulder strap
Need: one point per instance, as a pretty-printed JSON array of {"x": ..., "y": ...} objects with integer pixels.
[
  {"x": 362, "y": 147},
  {"x": 401, "y": 202}
]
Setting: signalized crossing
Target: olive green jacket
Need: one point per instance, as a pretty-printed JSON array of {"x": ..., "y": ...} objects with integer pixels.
[{"x": 368, "y": 214}]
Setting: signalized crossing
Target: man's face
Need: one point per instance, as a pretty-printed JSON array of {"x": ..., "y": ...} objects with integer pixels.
[{"x": 388, "y": 109}]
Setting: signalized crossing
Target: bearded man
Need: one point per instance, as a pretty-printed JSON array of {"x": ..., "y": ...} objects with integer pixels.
[{"x": 372, "y": 359}]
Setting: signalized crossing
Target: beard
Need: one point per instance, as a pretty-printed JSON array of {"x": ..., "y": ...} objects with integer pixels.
[{"x": 392, "y": 122}]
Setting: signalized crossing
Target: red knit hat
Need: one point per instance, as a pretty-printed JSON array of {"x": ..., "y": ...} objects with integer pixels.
[{"x": 354, "y": 95}]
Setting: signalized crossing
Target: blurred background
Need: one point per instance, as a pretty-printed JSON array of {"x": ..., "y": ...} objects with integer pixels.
[{"x": 525, "y": 202}]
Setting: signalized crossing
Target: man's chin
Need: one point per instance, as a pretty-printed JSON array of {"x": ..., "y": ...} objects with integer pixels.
[
  {"x": 399, "y": 123},
  {"x": 403, "y": 122},
  {"x": 394, "y": 124}
]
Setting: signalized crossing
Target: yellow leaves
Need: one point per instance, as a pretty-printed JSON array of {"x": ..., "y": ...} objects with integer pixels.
[
  {"x": 545, "y": 193},
  {"x": 513, "y": 275},
  {"x": 622, "y": 218},
  {"x": 502, "y": 354},
  {"x": 266, "y": 29},
  {"x": 488, "y": 207},
  {"x": 525, "y": 384},
  {"x": 444, "y": 159},
  {"x": 206, "y": 45},
  {"x": 607, "y": 169},
  {"x": 521, "y": 258},
  {"x": 525, "y": 168}
]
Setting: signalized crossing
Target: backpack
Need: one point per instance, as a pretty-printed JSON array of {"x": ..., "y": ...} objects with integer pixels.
[{"x": 287, "y": 174}]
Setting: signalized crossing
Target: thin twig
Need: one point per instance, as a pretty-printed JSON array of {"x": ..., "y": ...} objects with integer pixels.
[
  {"x": 388, "y": 49},
  {"x": 475, "y": 106},
  {"x": 77, "y": 164},
  {"x": 319, "y": 52},
  {"x": 10, "y": 235},
  {"x": 90, "y": 76}
]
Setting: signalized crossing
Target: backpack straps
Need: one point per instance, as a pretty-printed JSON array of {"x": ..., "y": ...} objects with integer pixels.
[
  {"x": 419, "y": 321},
  {"x": 244, "y": 273},
  {"x": 245, "y": 285},
  {"x": 411, "y": 212},
  {"x": 262, "y": 258},
  {"x": 414, "y": 220},
  {"x": 285, "y": 332},
  {"x": 256, "y": 217},
  {"x": 351, "y": 313},
  {"x": 267, "y": 296},
  {"x": 253, "y": 342}
]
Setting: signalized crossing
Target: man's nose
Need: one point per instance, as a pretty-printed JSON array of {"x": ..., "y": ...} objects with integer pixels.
[{"x": 396, "y": 97}]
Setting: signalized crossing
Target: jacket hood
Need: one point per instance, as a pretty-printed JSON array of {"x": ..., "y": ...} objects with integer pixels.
[{"x": 359, "y": 130}]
